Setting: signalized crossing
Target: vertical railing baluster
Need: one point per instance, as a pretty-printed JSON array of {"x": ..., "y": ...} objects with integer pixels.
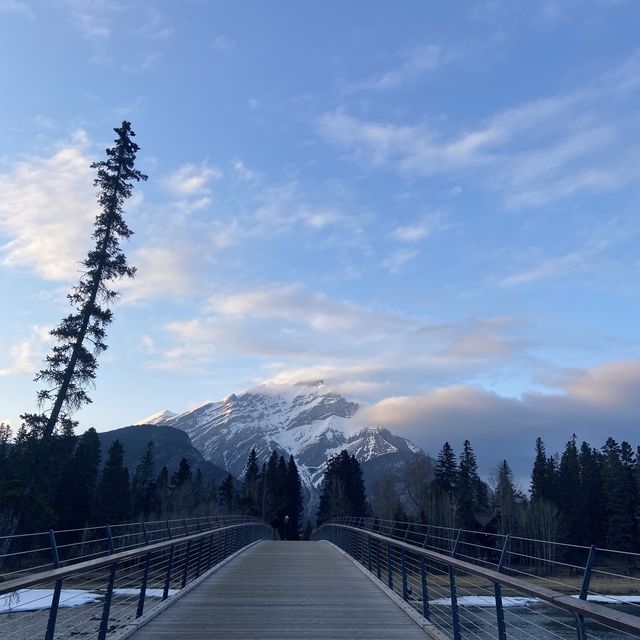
[
  {"x": 504, "y": 561},
  {"x": 423, "y": 578},
  {"x": 145, "y": 575},
  {"x": 403, "y": 562},
  {"x": 185, "y": 570},
  {"x": 389, "y": 569},
  {"x": 584, "y": 591},
  {"x": 455, "y": 616},
  {"x": 378, "y": 563},
  {"x": 104, "y": 622},
  {"x": 167, "y": 576},
  {"x": 368, "y": 553},
  {"x": 53, "y": 611}
]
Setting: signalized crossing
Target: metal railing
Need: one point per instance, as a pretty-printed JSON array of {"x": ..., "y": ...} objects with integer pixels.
[
  {"x": 468, "y": 584},
  {"x": 105, "y": 581}
]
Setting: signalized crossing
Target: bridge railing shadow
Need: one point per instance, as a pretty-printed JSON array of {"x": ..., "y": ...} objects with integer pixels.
[
  {"x": 477, "y": 585},
  {"x": 101, "y": 580}
]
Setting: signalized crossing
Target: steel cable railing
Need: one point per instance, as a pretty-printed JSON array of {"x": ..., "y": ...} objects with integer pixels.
[
  {"x": 469, "y": 584},
  {"x": 95, "y": 593}
]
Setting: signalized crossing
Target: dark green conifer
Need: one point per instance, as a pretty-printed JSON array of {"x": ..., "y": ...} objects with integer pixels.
[{"x": 112, "y": 503}]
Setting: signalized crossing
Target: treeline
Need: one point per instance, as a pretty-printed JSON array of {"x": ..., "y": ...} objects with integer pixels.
[
  {"x": 582, "y": 496},
  {"x": 76, "y": 490}
]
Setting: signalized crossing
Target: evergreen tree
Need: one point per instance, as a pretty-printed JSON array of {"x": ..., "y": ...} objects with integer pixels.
[
  {"x": 569, "y": 490},
  {"x": 506, "y": 499},
  {"x": 445, "y": 472},
  {"x": 543, "y": 474},
  {"x": 591, "y": 496},
  {"x": 466, "y": 488},
  {"x": 112, "y": 498},
  {"x": 294, "y": 500},
  {"x": 143, "y": 486},
  {"x": 227, "y": 495},
  {"x": 183, "y": 476},
  {"x": 342, "y": 492},
  {"x": 250, "y": 487},
  {"x": 72, "y": 365},
  {"x": 77, "y": 487},
  {"x": 620, "y": 525}
]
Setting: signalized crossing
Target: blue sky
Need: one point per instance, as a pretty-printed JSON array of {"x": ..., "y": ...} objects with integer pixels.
[{"x": 431, "y": 206}]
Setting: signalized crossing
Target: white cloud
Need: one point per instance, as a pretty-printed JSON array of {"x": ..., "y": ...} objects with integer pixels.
[
  {"x": 242, "y": 171},
  {"x": 416, "y": 62},
  {"x": 162, "y": 272},
  {"x": 191, "y": 180},
  {"x": 46, "y": 211},
  {"x": 144, "y": 63},
  {"x": 92, "y": 17},
  {"x": 396, "y": 260},
  {"x": 24, "y": 356},
  {"x": 593, "y": 403},
  {"x": 296, "y": 334},
  {"x": 541, "y": 151},
  {"x": 422, "y": 229}
]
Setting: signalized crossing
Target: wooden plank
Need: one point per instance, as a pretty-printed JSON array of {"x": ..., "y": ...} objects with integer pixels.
[{"x": 274, "y": 590}]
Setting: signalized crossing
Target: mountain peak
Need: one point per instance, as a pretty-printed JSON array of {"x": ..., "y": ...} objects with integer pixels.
[{"x": 158, "y": 418}]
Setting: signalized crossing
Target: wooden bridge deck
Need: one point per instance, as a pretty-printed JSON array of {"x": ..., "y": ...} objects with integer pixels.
[{"x": 278, "y": 590}]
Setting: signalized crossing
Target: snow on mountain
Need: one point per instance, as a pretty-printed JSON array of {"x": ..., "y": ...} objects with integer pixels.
[
  {"x": 157, "y": 418},
  {"x": 307, "y": 420}
]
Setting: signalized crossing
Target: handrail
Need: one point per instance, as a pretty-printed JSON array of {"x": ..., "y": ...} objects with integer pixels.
[
  {"x": 614, "y": 619},
  {"x": 105, "y": 561}
]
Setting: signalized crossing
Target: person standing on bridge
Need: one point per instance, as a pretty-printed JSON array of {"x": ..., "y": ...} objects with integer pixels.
[{"x": 275, "y": 524}]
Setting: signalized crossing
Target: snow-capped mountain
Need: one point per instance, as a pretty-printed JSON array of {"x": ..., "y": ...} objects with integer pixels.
[{"x": 307, "y": 420}]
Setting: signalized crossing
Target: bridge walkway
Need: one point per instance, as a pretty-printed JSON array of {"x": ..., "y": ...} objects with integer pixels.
[{"x": 280, "y": 590}]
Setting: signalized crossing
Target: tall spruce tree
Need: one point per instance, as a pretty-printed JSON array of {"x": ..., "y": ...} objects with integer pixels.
[
  {"x": 81, "y": 335},
  {"x": 466, "y": 489}
]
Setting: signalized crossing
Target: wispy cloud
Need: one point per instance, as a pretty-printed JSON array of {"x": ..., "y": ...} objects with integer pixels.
[
  {"x": 15, "y": 6},
  {"x": 191, "y": 179},
  {"x": 422, "y": 229},
  {"x": 538, "y": 152},
  {"x": 415, "y": 63},
  {"x": 291, "y": 332},
  {"x": 23, "y": 357},
  {"x": 47, "y": 209}
]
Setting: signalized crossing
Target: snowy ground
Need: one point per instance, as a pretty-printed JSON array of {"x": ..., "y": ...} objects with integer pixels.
[
  {"x": 36, "y": 599},
  {"x": 521, "y": 601}
]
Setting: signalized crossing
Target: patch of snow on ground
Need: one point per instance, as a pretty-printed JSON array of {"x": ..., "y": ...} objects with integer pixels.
[
  {"x": 150, "y": 593},
  {"x": 35, "y": 599}
]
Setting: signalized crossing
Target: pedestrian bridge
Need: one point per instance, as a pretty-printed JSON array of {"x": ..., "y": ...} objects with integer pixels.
[{"x": 227, "y": 578}]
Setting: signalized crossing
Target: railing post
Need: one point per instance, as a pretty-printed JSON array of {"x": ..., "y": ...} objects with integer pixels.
[
  {"x": 145, "y": 575},
  {"x": 423, "y": 579},
  {"x": 185, "y": 570},
  {"x": 369, "y": 553},
  {"x": 53, "y": 611},
  {"x": 104, "y": 622},
  {"x": 378, "y": 564},
  {"x": 584, "y": 591},
  {"x": 504, "y": 561},
  {"x": 199, "y": 563},
  {"x": 389, "y": 570},
  {"x": 455, "y": 616},
  {"x": 167, "y": 576},
  {"x": 405, "y": 590},
  {"x": 210, "y": 552}
]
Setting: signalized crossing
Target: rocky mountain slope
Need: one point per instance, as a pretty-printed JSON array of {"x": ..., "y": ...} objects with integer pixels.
[
  {"x": 171, "y": 445},
  {"x": 307, "y": 420}
]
